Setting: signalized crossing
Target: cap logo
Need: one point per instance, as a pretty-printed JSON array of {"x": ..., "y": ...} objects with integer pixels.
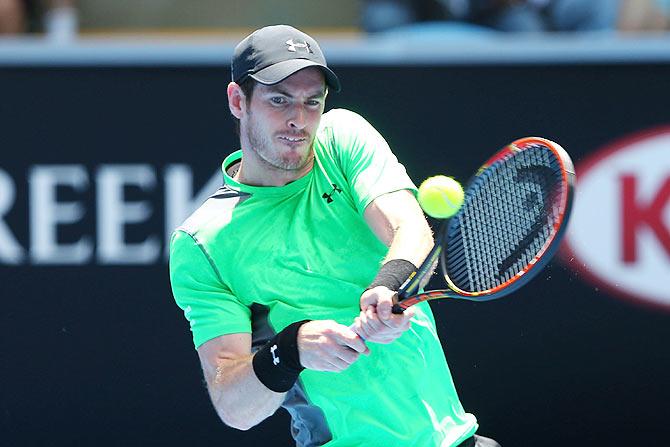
[{"x": 298, "y": 46}]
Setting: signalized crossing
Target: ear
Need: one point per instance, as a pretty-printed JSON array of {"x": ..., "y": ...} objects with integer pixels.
[{"x": 236, "y": 100}]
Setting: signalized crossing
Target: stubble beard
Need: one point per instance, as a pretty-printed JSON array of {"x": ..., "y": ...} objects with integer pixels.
[{"x": 267, "y": 151}]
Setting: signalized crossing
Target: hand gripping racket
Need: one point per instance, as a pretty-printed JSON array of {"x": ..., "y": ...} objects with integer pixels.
[{"x": 514, "y": 215}]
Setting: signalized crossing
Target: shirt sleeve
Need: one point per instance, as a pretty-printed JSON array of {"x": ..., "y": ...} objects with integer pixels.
[
  {"x": 367, "y": 160},
  {"x": 209, "y": 306}
]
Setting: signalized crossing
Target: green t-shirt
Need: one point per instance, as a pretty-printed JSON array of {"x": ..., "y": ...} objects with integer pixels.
[{"x": 255, "y": 259}]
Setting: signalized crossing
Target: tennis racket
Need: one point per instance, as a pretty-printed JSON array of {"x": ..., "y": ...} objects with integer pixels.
[{"x": 514, "y": 215}]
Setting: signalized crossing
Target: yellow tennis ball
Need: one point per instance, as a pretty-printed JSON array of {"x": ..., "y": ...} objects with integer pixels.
[{"x": 440, "y": 196}]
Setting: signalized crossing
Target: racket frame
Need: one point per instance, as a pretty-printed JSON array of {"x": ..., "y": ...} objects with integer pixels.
[{"x": 409, "y": 294}]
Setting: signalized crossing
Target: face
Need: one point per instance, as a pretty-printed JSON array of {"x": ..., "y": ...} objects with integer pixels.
[{"x": 281, "y": 120}]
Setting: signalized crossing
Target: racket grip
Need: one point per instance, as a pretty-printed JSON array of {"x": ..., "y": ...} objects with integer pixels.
[{"x": 397, "y": 309}]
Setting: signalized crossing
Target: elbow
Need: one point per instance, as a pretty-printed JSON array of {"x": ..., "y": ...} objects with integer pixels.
[
  {"x": 239, "y": 425},
  {"x": 237, "y": 421}
]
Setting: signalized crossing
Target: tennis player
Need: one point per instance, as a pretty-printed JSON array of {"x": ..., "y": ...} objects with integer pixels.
[{"x": 315, "y": 227}]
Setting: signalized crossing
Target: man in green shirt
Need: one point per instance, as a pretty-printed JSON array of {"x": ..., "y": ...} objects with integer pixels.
[{"x": 287, "y": 273}]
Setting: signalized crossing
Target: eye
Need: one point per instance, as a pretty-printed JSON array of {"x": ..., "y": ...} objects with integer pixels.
[
  {"x": 313, "y": 103},
  {"x": 278, "y": 100}
]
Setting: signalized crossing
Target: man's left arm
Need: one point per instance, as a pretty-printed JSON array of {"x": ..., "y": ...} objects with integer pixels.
[{"x": 398, "y": 221}]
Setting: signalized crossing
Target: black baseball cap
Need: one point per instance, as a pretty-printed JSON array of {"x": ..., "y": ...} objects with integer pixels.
[{"x": 271, "y": 54}]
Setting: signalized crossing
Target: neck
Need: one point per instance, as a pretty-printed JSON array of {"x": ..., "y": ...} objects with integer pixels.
[{"x": 255, "y": 171}]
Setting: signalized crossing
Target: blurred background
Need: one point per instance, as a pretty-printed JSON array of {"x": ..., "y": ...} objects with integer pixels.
[{"x": 113, "y": 125}]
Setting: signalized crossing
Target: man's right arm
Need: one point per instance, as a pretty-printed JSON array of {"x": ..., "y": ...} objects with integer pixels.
[{"x": 239, "y": 397}]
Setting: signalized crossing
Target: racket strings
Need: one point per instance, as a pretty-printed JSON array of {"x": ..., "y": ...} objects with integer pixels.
[{"x": 509, "y": 214}]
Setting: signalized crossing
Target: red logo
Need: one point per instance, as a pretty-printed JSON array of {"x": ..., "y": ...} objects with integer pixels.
[{"x": 619, "y": 234}]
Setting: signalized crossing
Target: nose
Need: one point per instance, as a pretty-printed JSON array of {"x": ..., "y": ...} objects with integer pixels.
[{"x": 298, "y": 119}]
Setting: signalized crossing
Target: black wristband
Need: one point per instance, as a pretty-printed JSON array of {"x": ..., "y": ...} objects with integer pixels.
[
  {"x": 393, "y": 274},
  {"x": 277, "y": 363}
]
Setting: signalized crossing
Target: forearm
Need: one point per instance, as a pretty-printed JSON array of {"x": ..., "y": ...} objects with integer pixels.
[
  {"x": 241, "y": 385},
  {"x": 411, "y": 241},
  {"x": 398, "y": 221},
  {"x": 239, "y": 398},
  {"x": 412, "y": 247}
]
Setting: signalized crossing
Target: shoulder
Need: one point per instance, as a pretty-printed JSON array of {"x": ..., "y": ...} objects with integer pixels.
[
  {"x": 341, "y": 117},
  {"x": 344, "y": 131},
  {"x": 214, "y": 213}
]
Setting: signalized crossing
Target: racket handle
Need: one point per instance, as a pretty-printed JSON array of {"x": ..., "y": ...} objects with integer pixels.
[{"x": 397, "y": 309}]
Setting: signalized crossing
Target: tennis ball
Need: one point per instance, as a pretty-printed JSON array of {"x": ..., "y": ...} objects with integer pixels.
[{"x": 440, "y": 196}]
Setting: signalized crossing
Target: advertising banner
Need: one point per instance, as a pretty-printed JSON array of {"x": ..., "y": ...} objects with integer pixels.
[{"x": 99, "y": 164}]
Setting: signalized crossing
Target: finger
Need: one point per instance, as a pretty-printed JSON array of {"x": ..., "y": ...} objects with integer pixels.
[
  {"x": 368, "y": 299},
  {"x": 333, "y": 364},
  {"x": 384, "y": 305},
  {"x": 385, "y": 340},
  {"x": 400, "y": 321},
  {"x": 372, "y": 322},
  {"x": 340, "y": 364},
  {"x": 365, "y": 332},
  {"x": 347, "y": 355},
  {"x": 359, "y": 329},
  {"x": 347, "y": 337},
  {"x": 362, "y": 318},
  {"x": 407, "y": 318},
  {"x": 356, "y": 326},
  {"x": 396, "y": 322},
  {"x": 362, "y": 327}
]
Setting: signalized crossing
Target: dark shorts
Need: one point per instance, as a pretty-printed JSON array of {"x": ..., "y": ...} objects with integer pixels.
[{"x": 479, "y": 441}]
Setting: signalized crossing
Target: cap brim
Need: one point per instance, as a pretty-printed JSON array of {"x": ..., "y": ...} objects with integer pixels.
[{"x": 282, "y": 70}]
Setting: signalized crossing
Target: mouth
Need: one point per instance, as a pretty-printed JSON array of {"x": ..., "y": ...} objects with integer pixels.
[{"x": 292, "y": 141}]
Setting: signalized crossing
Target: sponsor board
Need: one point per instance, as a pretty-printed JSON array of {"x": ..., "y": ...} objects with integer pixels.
[
  {"x": 94, "y": 222},
  {"x": 619, "y": 234}
]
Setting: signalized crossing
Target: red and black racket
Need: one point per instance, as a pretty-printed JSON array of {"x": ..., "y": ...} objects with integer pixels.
[{"x": 514, "y": 215}]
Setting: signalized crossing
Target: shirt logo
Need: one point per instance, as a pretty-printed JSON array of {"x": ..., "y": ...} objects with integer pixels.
[
  {"x": 298, "y": 46},
  {"x": 329, "y": 196}
]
